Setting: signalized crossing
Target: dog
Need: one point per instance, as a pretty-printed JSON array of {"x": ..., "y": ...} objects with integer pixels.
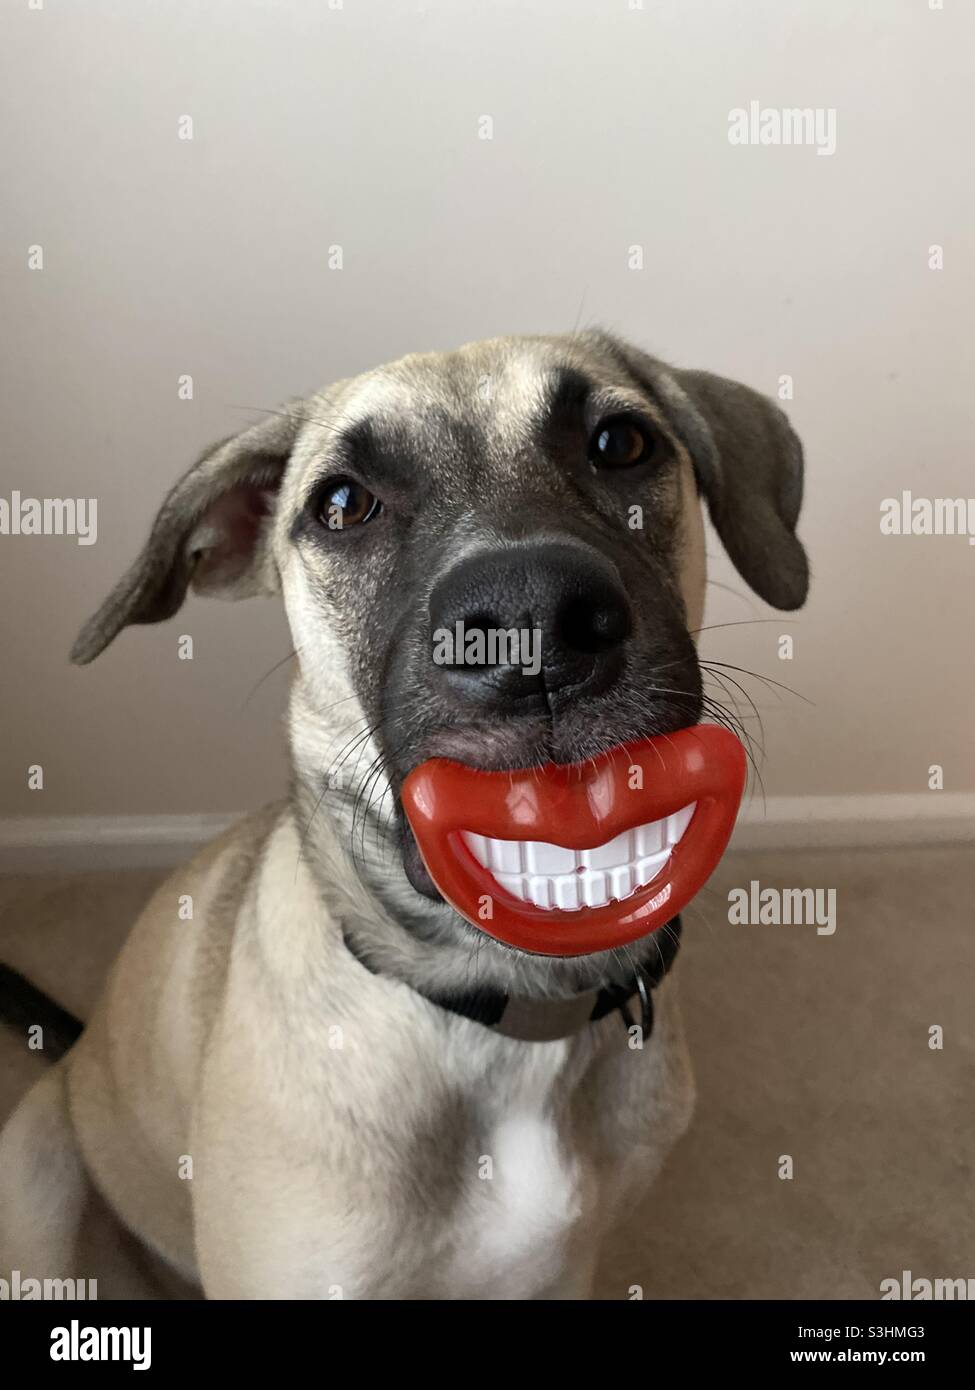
[{"x": 328, "y": 1083}]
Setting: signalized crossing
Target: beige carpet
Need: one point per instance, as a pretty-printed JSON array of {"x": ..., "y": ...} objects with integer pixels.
[{"x": 811, "y": 1046}]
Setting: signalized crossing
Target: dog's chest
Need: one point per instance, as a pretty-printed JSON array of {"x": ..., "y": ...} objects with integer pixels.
[{"x": 527, "y": 1193}]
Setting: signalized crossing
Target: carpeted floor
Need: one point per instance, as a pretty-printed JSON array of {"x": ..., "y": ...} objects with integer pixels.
[{"x": 806, "y": 1045}]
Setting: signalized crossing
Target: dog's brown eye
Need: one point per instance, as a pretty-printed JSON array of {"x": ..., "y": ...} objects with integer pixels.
[
  {"x": 343, "y": 503},
  {"x": 619, "y": 443}
]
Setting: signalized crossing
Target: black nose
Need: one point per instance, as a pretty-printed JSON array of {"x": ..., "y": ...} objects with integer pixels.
[{"x": 564, "y": 601}]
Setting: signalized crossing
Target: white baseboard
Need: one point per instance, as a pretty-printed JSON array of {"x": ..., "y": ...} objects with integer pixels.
[
  {"x": 72, "y": 844},
  {"x": 75, "y": 844},
  {"x": 856, "y": 822}
]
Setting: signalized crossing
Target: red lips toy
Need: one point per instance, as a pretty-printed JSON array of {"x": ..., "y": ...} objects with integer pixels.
[{"x": 566, "y": 859}]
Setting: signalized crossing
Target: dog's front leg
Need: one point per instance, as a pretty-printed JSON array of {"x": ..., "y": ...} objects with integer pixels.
[{"x": 54, "y": 1225}]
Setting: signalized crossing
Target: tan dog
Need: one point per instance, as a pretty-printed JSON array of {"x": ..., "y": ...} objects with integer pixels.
[{"x": 293, "y": 1095}]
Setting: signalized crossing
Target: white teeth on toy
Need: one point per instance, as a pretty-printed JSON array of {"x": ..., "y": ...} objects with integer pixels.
[{"x": 551, "y": 876}]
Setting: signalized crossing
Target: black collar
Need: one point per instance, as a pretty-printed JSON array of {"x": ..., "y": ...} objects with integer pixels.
[{"x": 544, "y": 1020}]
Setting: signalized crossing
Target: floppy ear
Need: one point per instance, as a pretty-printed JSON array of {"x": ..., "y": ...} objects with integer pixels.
[
  {"x": 211, "y": 532},
  {"x": 748, "y": 462}
]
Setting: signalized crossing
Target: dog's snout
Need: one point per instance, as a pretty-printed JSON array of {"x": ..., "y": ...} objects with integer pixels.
[{"x": 520, "y": 625}]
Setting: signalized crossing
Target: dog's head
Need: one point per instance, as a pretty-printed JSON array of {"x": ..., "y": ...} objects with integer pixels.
[{"x": 545, "y": 486}]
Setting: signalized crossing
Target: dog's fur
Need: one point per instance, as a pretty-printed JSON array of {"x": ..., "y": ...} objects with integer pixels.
[{"x": 250, "y": 1112}]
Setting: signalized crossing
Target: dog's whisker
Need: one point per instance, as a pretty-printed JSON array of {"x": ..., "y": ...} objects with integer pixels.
[
  {"x": 276, "y": 667},
  {"x": 760, "y": 677},
  {"x": 728, "y": 589},
  {"x": 335, "y": 767},
  {"x": 334, "y": 426},
  {"x": 724, "y": 682},
  {"x": 740, "y": 622}
]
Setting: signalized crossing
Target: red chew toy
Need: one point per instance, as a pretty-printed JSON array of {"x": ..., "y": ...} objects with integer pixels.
[{"x": 564, "y": 860}]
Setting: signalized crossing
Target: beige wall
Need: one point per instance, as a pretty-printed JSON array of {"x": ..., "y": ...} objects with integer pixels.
[{"x": 359, "y": 127}]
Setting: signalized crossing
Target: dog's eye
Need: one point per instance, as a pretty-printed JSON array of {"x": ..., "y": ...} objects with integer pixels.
[
  {"x": 342, "y": 503},
  {"x": 620, "y": 443}
]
